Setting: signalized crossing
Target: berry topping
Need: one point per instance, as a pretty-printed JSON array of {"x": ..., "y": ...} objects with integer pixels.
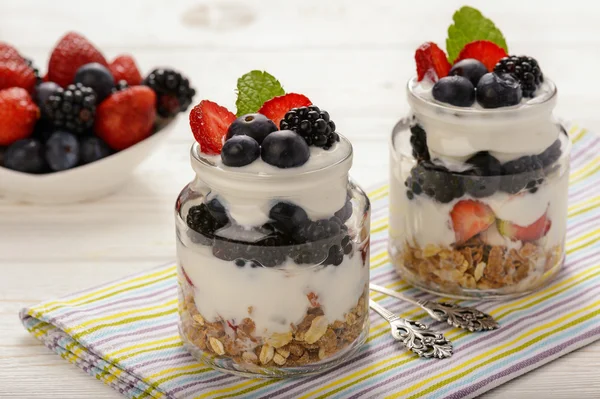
[
  {"x": 18, "y": 115},
  {"x": 483, "y": 179},
  {"x": 469, "y": 68},
  {"x": 486, "y": 52},
  {"x": 209, "y": 123},
  {"x": 285, "y": 149},
  {"x": 313, "y": 124},
  {"x": 418, "y": 142},
  {"x": 534, "y": 231},
  {"x": 92, "y": 149},
  {"x": 43, "y": 91},
  {"x": 71, "y": 52},
  {"x": 454, "y": 90},
  {"x": 470, "y": 218},
  {"x": 276, "y": 108},
  {"x": 26, "y": 156},
  {"x": 525, "y": 69},
  {"x": 17, "y": 74},
  {"x": 126, "y": 117},
  {"x": 346, "y": 211},
  {"x": 98, "y": 77},
  {"x": 173, "y": 91},
  {"x": 256, "y": 126},
  {"x": 73, "y": 108},
  {"x": 287, "y": 217},
  {"x": 200, "y": 220},
  {"x": 431, "y": 62},
  {"x": 9, "y": 53},
  {"x": 240, "y": 151},
  {"x": 494, "y": 91},
  {"x": 124, "y": 68},
  {"x": 521, "y": 173},
  {"x": 217, "y": 210},
  {"x": 62, "y": 151},
  {"x": 435, "y": 181}
]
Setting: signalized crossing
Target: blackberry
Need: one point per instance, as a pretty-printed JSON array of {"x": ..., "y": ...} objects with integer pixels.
[
  {"x": 483, "y": 179},
  {"x": 313, "y": 124},
  {"x": 36, "y": 71},
  {"x": 525, "y": 69},
  {"x": 73, "y": 108},
  {"x": 418, "y": 141},
  {"x": 203, "y": 223},
  {"x": 173, "y": 91},
  {"x": 522, "y": 173},
  {"x": 435, "y": 181}
]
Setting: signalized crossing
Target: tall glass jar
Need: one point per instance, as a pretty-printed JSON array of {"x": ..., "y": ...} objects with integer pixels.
[
  {"x": 478, "y": 197},
  {"x": 273, "y": 265}
]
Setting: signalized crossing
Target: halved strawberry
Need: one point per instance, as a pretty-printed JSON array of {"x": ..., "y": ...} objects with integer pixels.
[
  {"x": 534, "y": 231},
  {"x": 482, "y": 50},
  {"x": 9, "y": 53},
  {"x": 276, "y": 108},
  {"x": 209, "y": 123},
  {"x": 431, "y": 62},
  {"x": 470, "y": 218}
]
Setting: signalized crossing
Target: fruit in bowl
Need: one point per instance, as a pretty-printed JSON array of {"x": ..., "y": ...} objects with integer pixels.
[{"x": 84, "y": 111}]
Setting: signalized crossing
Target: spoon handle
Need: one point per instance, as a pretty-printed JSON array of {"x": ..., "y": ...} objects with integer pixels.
[
  {"x": 383, "y": 312},
  {"x": 395, "y": 294}
]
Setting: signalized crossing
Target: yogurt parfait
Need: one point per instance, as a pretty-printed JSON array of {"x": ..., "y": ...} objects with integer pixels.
[
  {"x": 479, "y": 171},
  {"x": 272, "y": 237}
]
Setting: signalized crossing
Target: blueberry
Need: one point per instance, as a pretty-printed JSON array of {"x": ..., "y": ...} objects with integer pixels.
[
  {"x": 92, "y": 149},
  {"x": 483, "y": 179},
  {"x": 256, "y": 126},
  {"x": 551, "y": 154},
  {"x": 217, "y": 210},
  {"x": 454, "y": 90},
  {"x": 287, "y": 216},
  {"x": 469, "y": 68},
  {"x": 285, "y": 149},
  {"x": 25, "y": 156},
  {"x": 62, "y": 151},
  {"x": 346, "y": 211},
  {"x": 240, "y": 151},
  {"x": 43, "y": 91},
  {"x": 98, "y": 77},
  {"x": 485, "y": 164},
  {"x": 494, "y": 91}
]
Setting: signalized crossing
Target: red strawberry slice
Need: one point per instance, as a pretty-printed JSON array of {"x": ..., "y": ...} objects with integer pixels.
[
  {"x": 276, "y": 108},
  {"x": 534, "y": 231},
  {"x": 482, "y": 50},
  {"x": 9, "y": 53},
  {"x": 470, "y": 218},
  {"x": 71, "y": 52},
  {"x": 18, "y": 115},
  {"x": 187, "y": 278},
  {"x": 209, "y": 123},
  {"x": 124, "y": 68},
  {"x": 431, "y": 62},
  {"x": 16, "y": 74}
]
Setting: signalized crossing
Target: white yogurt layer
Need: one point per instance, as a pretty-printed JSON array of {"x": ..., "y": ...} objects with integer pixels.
[
  {"x": 248, "y": 193},
  {"x": 508, "y": 133},
  {"x": 277, "y": 297}
]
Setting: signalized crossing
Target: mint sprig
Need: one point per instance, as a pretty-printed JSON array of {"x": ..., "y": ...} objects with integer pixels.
[
  {"x": 253, "y": 89},
  {"x": 470, "y": 25}
]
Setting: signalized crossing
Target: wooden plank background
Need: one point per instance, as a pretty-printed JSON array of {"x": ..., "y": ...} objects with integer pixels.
[{"x": 350, "y": 57}]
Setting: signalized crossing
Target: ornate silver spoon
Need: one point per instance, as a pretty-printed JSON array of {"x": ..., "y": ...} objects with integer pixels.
[
  {"x": 415, "y": 336},
  {"x": 462, "y": 317}
]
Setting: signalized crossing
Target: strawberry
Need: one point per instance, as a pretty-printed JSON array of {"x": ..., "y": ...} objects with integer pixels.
[
  {"x": 126, "y": 117},
  {"x": 187, "y": 278},
  {"x": 534, "y": 231},
  {"x": 209, "y": 123},
  {"x": 17, "y": 74},
  {"x": 431, "y": 62},
  {"x": 18, "y": 114},
  {"x": 482, "y": 50},
  {"x": 470, "y": 218},
  {"x": 9, "y": 53},
  {"x": 124, "y": 68},
  {"x": 276, "y": 108},
  {"x": 70, "y": 53}
]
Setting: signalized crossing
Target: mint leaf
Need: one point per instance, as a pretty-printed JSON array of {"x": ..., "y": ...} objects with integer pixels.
[
  {"x": 254, "y": 88},
  {"x": 470, "y": 25}
]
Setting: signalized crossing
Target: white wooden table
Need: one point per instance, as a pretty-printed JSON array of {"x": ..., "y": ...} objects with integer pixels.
[{"x": 352, "y": 58}]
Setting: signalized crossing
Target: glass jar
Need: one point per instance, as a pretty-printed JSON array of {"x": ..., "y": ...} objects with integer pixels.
[
  {"x": 273, "y": 264},
  {"x": 478, "y": 197}
]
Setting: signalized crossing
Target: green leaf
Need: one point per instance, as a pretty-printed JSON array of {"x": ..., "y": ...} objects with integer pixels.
[
  {"x": 470, "y": 25},
  {"x": 253, "y": 89}
]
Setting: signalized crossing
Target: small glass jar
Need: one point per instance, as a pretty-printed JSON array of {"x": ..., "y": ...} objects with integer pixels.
[
  {"x": 478, "y": 197},
  {"x": 273, "y": 264}
]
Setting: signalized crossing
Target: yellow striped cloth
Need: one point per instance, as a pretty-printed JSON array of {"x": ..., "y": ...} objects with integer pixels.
[{"x": 125, "y": 332}]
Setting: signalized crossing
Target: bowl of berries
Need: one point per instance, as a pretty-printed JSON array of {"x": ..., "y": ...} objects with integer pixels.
[{"x": 78, "y": 133}]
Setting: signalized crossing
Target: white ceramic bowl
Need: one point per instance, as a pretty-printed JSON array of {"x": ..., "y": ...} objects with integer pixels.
[{"x": 83, "y": 183}]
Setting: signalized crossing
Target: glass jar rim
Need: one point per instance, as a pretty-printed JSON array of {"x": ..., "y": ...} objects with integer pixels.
[
  {"x": 205, "y": 164},
  {"x": 532, "y": 106}
]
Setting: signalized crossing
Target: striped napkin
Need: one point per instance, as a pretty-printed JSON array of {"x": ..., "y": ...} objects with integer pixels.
[{"x": 124, "y": 333}]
